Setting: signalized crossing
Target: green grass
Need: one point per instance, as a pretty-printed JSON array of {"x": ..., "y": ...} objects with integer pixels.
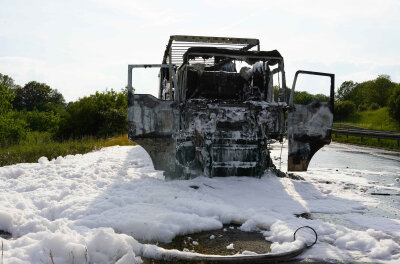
[
  {"x": 41, "y": 144},
  {"x": 371, "y": 142},
  {"x": 373, "y": 119}
]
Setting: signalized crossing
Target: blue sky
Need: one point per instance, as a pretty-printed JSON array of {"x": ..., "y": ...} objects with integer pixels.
[{"x": 79, "y": 47}]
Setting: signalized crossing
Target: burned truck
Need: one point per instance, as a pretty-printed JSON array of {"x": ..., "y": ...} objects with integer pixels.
[{"x": 221, "y": 103}]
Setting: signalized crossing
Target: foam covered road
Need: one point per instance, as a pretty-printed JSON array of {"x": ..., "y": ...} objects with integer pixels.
[{"x": 94, "y": 208}]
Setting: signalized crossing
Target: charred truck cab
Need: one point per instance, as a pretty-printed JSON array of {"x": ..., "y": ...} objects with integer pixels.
[{"x": 221, "y": 103}]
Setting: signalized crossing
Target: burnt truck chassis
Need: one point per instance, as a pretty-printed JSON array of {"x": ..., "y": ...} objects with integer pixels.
[{"x": 214, "y": 121}]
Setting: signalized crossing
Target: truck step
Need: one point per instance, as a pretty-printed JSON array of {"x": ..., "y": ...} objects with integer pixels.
[{"x": 234, "y": 168}]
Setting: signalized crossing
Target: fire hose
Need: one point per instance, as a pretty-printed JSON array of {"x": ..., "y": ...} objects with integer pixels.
[{"x": 175, "y": 255}]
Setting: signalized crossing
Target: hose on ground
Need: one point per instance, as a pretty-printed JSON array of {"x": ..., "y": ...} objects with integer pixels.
[
  {"x": 175, "y": 255},
  {"x": 315, "y": 233}
]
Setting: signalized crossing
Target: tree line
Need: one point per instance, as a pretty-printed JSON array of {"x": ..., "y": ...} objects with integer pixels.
[
  {"x": 352, "y": 97},
  {"x": 369, "y": 95},
  {"x": 36, "y": 107}
]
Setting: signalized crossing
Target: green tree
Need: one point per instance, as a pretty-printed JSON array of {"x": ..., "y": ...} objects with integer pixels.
[
  {"x": 101, "y": 114},
  {"x": 38, "y": 96},
  {"x": 344, "y": 109},
  {"x": 42, "y": 121},
  {"x": 7, "y": 87},
  {"x": 379, "y": 90},
  {"x": 366, "y": 93},
  {"x": 6, "y": 97},
  {"x": 345, "y": 91},
  {"x": 394, "y": 104},
  {"x": 303, "y": 98},
  {"x": 12, "y": 129},
  {"x": 358, "y": 93},
  {"x": 8, "y": 82},
  {"x": 321, "y": 98}
]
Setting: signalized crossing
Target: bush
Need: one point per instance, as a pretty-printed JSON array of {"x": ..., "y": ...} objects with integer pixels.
[
  {"x": 42, "y": 121},
  {"x": 39, "y": 121},
  {"x": 102, "y": 114},
  {"x": 6, "y": 97},
  {"x": 373, "y": 106},
  {"x": 321, "y": 98},
  {"x": 362, "y": 107},
  {"x": 12, "y": 130},
  {"x": 303, "y": 98},
  {"x": 394, "y": 104},
  {"x": 39, "y": 144},
  {"x": 344, "y": 109}
]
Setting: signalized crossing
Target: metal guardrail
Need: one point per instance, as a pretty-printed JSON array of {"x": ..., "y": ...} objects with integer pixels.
[{"x": 348, "y": 130}]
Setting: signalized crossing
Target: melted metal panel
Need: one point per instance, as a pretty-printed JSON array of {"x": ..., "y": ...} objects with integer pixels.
[
  {"x": 151, "y": 117},
  {"x": 309, "y": 130},
  {"x": 309, "y": 126}
]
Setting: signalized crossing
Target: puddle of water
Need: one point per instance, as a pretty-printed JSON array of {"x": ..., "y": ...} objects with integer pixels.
[{"x": 215, "y": 242}]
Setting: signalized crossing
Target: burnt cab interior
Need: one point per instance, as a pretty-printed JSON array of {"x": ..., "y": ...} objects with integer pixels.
[{"x": 223, "y": 74}]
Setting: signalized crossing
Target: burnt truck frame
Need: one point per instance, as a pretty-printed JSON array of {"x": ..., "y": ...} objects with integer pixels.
[{"x": 210, "y": 119}]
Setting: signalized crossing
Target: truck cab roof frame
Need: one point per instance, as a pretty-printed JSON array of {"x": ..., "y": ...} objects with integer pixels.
[
  {"x": 179, "y": 44},
  {"x": 272, "y": 56}
]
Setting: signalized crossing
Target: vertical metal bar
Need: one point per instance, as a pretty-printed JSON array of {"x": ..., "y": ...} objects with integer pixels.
[
  {"x": 184, "y": 86},
  {"x": 170, "y": 74},
  {"x": 332, "y": 101},
  {"x": 160, "y": 83},
  {"x": 293, "y": 87},
  {"x": 265, "y": 82},
  {"x": 271, "y": 86},
  {"x": 172, "y": 70},
  {"x": 129, "y": 79},
  {"x": 283, "y": 82}
]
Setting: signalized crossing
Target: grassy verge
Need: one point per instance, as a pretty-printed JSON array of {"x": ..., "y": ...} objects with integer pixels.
[
  {"x": 373, "y": 119},
  {"x": 41, "y": 144},
  {"x": 371, "y": 142}
]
